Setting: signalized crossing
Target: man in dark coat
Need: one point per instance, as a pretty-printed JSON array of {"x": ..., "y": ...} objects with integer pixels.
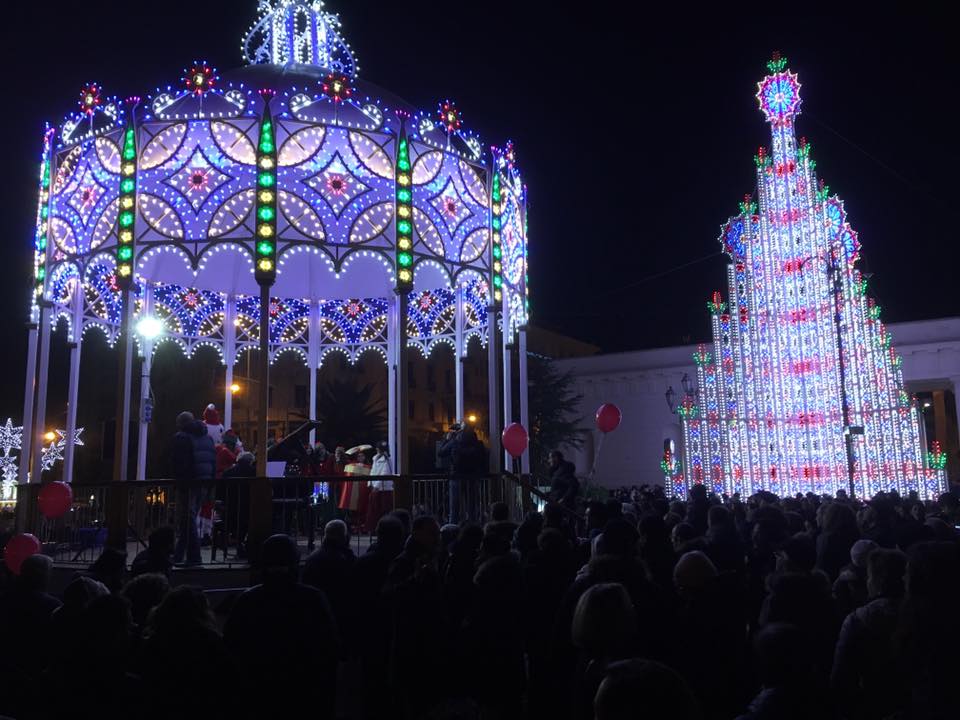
[
  {"x": 194, "y": 462},
  {"x": 237, "y": 492},
  {"x": 330, "y": 568},
  {"x": 420, "y": 638},
  {"x": 284, "y": 638},
  {"x": 564, "y": 486},
  {"x": 464, "y": 454},
  {"x": 374, "y": 614},
  {"x": 156, "y": 557}
]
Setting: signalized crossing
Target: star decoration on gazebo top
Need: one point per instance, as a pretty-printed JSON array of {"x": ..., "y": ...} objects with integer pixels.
[{"x": 199, "y": 78}]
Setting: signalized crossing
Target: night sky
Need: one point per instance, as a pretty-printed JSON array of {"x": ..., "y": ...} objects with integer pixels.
[{"x": 635, "y": 131}]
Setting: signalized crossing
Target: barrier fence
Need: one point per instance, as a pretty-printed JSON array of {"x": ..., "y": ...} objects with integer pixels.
[{"x": 234, "y": 516}]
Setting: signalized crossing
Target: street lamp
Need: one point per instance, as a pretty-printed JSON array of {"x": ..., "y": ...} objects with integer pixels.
[
  {"x": 471, "y": 418},
  {"x": 687, "y": 384},
  {"x": 234, "y": 389},
  {"x": 50, "y": 436},
  {"x": 834, "y": 268},
  {"x": 149, "y": 327},
  {"x": 670, "y": 395}
]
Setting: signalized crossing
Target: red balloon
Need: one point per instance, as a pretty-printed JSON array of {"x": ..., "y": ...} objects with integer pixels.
[
  {"x": 18, "y": 549},
  {"x": 514, "y": 439},
  {"x": 608, "y": 418},
  {"x": 55, "y": 500}
]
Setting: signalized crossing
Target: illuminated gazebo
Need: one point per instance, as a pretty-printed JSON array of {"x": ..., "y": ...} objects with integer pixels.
[{"x": 287, "y": 207}]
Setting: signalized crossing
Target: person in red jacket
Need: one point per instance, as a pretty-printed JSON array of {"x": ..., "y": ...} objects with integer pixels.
[{"x": 227, "y": 452}]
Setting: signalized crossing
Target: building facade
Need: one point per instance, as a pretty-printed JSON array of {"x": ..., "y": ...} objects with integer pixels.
[{"x": 638, "y": 382}]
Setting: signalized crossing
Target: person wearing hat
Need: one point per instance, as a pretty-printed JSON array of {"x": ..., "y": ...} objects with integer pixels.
[
  {"x": 227, "y": 451},
  {"x": 353, "y": 497},
  {"x": 380, "y": 501},
  {"x": 211, "y": 418}
]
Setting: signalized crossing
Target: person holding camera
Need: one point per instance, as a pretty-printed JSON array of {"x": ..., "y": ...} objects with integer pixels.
[{"x": 463, "y": 454}]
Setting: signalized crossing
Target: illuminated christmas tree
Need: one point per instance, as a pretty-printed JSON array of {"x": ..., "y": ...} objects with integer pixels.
[{"x": 800, "y": 389}]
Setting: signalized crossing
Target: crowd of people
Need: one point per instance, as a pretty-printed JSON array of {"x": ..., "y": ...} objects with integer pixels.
[
  {"x": 635, "y": 607},
  {"x": 203, "y": 451}
]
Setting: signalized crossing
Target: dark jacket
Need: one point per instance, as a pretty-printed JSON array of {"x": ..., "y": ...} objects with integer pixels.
[
  {"x": 283, "y": 637},
  {"x": 330, "y": 569},
  {"x": 796, "y": 702},
  {"x": 194, "y": 454},
  {"x": 464, "y": 453},
  {"x": 564, "y": 486},
  {"x": 865, "y": 677},
  {"x": 151, "y": 560},
  {"x": 240, "y": 470}
]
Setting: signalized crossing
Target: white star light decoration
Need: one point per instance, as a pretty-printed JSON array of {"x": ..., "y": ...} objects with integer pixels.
[
  {"x": 51, "y": 453},
  {"x": 11, "y": 438},
  {"x": 8, "y": 467},
  {"x": 54, "y": 451}
]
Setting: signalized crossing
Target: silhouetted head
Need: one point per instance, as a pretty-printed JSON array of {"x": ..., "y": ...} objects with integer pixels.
[
  {"x": 162, "y": 540},
  {"x": 82, "y": 591},
  {"x": 405, "y": 518},
  {"x": 426, "y": 533},
  {"x": 499, "y": 512},
  {"x": 885, "y": 573},
  {"x": 641, "y": 689},
  {"x": 604, "y": 622},
  {"x": 682, "y": 533},
  {"x": 719, "y": 517},
  {"x": 797, "y": 554},
  {"x": 181, "y": 610},
  {"x": 618, "y": 538},
  {"x": 35, "y": 573},
  {"x": 280, "y": 558},
  {"x": 144, "y": 593},
  {"x": 336, "y": 532},
  {"x": 390, "y": 535},
  {"x": 693, "y": 572},
  {"x": 184, "y": 420}
]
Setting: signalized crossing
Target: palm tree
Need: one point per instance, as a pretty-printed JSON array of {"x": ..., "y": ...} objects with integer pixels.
[{"x": 350, "y": 415}]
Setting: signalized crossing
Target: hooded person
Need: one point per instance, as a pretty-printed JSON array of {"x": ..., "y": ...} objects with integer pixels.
[{"x": 211, "y": 418}]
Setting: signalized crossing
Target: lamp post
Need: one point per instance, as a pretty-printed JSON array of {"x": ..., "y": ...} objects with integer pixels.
[
  {"x": 670, "y": 395},
  {"x": 834, "y": 275},
  {"x": 149, "y": 328}
]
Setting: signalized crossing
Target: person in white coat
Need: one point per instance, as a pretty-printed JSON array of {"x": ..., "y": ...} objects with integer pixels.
[{"x": 381, "y": 489}]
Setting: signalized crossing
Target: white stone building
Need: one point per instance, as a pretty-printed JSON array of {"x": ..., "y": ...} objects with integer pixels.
[{"x": 637, "y": 383}]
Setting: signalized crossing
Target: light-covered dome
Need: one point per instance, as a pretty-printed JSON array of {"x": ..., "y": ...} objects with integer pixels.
[{"x": 367, "y": 195}]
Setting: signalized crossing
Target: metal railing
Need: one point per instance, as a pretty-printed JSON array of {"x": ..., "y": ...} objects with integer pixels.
[{"x": 230, "y": 514}]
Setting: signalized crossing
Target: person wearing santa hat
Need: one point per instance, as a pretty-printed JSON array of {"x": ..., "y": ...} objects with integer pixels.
[{"x": 211, "y": 418}]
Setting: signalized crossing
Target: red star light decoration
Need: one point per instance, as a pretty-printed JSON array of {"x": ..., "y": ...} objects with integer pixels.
[
  {"x": 336, "y": 86},
  {"x": 199, "y": 78},
  {"x": 450, "y": 116}
]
